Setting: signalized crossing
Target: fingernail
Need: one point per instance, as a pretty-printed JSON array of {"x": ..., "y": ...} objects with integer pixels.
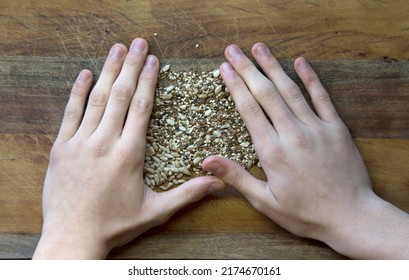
[
  {"x": 150, "y": 61},
  {"x": 262, "y": 50},
  {"x": 303, "y": 63},
  {"x": 82, "y": 77},
  {"x": 226, "y": 68},
  {"x": 234, "y": 51},
  {"x": 116, "y": 52},
  {"x": 214, "y": 167},
  {"x": 138, "y": 45}
]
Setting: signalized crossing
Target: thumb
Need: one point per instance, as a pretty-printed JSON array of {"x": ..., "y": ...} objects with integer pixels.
[
  {"x": 190, "y": 192},
  {"x": 235, "y": 175}
]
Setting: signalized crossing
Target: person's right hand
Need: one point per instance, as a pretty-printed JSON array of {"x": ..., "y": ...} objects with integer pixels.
[{"x": 317, "y": 183}]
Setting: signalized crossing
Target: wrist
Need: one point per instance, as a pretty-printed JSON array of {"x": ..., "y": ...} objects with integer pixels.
[
  {"x": 70, "y": 244},
  {"x": 371, "y": 229}
]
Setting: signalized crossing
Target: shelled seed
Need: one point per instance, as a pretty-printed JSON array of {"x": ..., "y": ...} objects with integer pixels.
[{"x": 193, "y": 117}]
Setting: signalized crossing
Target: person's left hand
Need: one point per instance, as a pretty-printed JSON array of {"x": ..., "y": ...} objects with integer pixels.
[{"x": 94, "y": 194}]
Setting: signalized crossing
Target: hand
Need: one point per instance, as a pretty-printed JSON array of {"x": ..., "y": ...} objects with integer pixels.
[
  {"x": 94, "y": 194},
  {"x": 317, "y": 183}
]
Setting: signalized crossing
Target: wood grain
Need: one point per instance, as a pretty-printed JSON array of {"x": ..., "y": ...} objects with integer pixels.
[
  {"x": 192, "y": 246},
  {"x": 371, "y": 96},
  {"x": 359, "y": 49},
  {"x": 318, "y": 29},
  {"x": 25, "y": 158}
]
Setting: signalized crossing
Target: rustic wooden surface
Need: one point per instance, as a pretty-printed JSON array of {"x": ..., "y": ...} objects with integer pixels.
[{"x": 359, "y": 48}]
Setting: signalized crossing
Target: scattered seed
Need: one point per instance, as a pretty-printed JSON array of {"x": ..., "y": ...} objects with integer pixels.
[
  {"x": 190, "y": 147},
  {"x": 197, "y": 160},
  {"x": 169, "y": 88},
  {"x": 174, "y": 169},
  {"x": 167, "y": 155},
  {"x": 156, "y": 178},
  {"x": 245, "y": 144},
  {"x": 166, "y": 67},
  {"x": 218, "y": 89},
  {"x": 217, "y": 133},
  {"x": 166, "y": 96},
  {"x": 193, "y": 117},
  {"x": 181, "y": 116},
  {"x": 208, "y": 112},
  {"x": 185, "y": 171},
  {"x": 170, "y": 121}
]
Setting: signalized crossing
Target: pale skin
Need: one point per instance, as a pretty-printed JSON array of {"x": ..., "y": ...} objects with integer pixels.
[
  {"x": 94, "y": 196},
  {"x": 317, "y": 184}
]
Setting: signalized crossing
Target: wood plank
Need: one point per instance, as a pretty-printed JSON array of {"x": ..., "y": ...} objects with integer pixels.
[
  {"x": 359, "y": 49},
  {"x": 24, "y": 159},
  {"x": 224, "y": 246},
  {"x": 192, "y": 246},
  {"x": 18, "y": 246},
  {"x": 317, "y": 29},
  {"x": 371, "y": 96}
]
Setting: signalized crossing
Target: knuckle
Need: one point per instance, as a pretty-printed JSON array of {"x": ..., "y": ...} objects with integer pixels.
[
  {"x": 251, "y": 108},
  {"x": 72, "y": 113},
  {"x": 292, "y": 93},
  {"x": 299, "y": 137},
  {"x": 100, "y": 147},
  {"x": 265, "y": 91},
  {"x": 264, "y": 87},
  {"x": 121, "y": 92},
  {"x": 98, "y": 99},
  {"x": 142, "y": 105},
  {"x": 274, "y": 155},
  {"x": 127, "y": 155},
  {"x": 322, "y": 96}
]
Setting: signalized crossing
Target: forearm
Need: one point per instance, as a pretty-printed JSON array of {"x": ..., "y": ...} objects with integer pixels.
[{"x": 379, "y": 230}]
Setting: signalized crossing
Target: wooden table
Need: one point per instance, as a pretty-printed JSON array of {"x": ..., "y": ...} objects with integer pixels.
[{"x": 359, "y": 48}]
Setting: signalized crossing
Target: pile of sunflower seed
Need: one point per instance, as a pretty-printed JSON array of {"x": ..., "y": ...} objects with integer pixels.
[{"x": 193, "y": 117}]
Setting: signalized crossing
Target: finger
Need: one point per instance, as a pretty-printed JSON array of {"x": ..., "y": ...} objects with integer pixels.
[
  {"x": 235, "y": 175},
  {"x": 319, "y": 96},
  {"x": 75, "y": 107},
  {"x": 124, "y": 88},
  {"x": 134, "y": 132},
  {"x": 100, "y": 93},
  {"x": 261, "y": 88},
  {"x": 250, "y": 111},
  {"x": 189, "y": 192},
  {"x": 286, "y": 87}
]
